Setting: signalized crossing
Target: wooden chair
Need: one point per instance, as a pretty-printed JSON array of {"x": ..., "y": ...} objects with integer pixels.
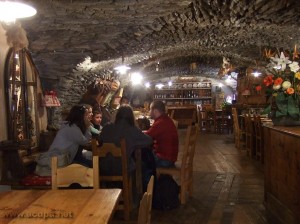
[
  {"x": 172, "y": 114},
  {"x": 117, "y": 152},
  {"x": 207, "y": 120},
  {"x": 150, "y": 193},
  {"x": 223, "y": 122},
  {"x": 75, "y": 173},
  {"x": 144, "y": 216},
  {"x": 239, "y": 133},
  {"x": 259, "y": 140},
  {"x": 185, "y": 170},
  {"x": 175, "y": 123}
]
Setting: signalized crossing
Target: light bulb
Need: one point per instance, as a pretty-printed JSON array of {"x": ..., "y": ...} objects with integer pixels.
[{"x": 10, "y": 11}]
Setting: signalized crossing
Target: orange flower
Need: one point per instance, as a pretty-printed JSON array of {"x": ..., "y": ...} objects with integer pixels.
[
  {"x": 278, "y": 81},
  {"x": 290, "y": 91},
  {"x": 268, "y": 80},
  {"x": 258, "y": 88},
  {"x": 297, "y": 75}
]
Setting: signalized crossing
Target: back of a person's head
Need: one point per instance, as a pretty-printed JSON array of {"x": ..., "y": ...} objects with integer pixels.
[
  {"x": 76, "y": 116},
  {"x": 125, "y": 112},
  {"x": 124, "y": 100},
  {"x": 159, "y": 105}
]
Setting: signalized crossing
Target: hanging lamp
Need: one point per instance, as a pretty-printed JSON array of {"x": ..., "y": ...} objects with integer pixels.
[{"x": 10, "y": 11}]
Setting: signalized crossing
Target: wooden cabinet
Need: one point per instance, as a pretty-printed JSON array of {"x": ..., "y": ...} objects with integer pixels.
[
  {"x": 181, "y": 93},
  {"x": 185, "y": 115},
  {"x": 282, "y": 173}
]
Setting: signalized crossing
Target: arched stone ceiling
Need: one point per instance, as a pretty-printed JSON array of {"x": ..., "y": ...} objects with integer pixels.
[{"x": 173, "y": 32}]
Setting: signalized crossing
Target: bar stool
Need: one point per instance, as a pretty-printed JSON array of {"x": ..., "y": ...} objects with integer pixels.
[
  {"x": 239, "y": 132},
  {"x": 208, "y": 120},
  {"x": 223, "y": 123}
]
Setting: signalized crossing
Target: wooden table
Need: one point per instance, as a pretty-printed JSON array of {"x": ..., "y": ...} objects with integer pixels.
[{"x": 58, "y": 206}]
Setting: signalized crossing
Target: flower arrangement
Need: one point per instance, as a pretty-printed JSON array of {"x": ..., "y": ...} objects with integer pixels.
[{"x": 283, "y": 84}]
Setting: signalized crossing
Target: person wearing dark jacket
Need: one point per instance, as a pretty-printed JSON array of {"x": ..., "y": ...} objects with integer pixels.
[{"x": 123, "y": 127}]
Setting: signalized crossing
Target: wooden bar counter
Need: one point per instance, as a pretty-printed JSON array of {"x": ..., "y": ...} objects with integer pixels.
[{"x": 282, "y": 173}]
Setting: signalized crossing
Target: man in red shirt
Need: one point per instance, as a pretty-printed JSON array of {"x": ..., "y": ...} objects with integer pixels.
[{"x": 164, "y": 135}]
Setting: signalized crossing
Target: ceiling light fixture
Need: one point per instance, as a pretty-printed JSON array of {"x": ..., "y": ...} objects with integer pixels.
[
  {"x": 256, "y": 73},
  {"x": 136, "y": 78},
  {"x": 147, "y": 84},
  {"x": 159, "y": 85},
  {"x": 10, "y": 11},
  {"x": 157, "y": 66},
  {"x": 122, "y": 69}
]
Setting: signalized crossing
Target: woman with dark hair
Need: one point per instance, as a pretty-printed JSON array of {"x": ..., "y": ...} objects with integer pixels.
[
  {"x": 75, "y": 132},
  {"x": 123, "y": 127}
]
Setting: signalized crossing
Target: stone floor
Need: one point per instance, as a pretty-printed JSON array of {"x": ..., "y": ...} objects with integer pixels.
[{"x": 228, "y": 187}]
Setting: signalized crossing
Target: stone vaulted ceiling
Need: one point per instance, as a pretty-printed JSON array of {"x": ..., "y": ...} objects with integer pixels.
[{"x": 173, "y": 32}]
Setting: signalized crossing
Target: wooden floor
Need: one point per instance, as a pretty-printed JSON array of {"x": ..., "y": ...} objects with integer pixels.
[{"x": 228, "y": 187}]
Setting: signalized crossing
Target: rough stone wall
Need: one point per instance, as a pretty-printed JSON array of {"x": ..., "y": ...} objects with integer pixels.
[
  {"x": 72, "y": 86},
  {"x": 65, "y": 32}
]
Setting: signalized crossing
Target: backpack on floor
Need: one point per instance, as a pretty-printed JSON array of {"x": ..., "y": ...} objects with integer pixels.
[{"x": 166, "y": 192}]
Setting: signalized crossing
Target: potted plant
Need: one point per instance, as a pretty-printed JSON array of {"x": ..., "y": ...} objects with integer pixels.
[{"x": 283, "y": 87}]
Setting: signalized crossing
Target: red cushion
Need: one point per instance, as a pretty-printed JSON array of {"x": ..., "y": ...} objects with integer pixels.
[{"x": 36, "y": 180}]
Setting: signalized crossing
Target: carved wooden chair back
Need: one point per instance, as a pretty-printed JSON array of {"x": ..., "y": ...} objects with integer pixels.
[
  {"x": 117, "y": 152},
  {"x": 75, "y": 173}
]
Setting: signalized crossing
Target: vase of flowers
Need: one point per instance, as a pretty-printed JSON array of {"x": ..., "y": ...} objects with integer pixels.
[{"x": 283, "y": 88}]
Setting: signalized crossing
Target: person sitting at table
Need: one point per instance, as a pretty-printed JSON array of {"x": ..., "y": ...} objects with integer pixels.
[
  {"x": 123, "y": 127},
  {"x": 96, "y": 123},
  {"x": 67, "y": 144},
  {"x": 123, "y": 101},
  {"x": 164, "y": 135},
  {"x": 96, "y": 93},
  {"x": 95, "y": 131}
]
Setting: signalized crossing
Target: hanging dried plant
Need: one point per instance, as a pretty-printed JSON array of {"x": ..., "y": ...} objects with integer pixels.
[{"x": 16, "y": 36}]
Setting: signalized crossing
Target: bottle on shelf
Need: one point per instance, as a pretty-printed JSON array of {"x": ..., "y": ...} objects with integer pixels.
[{"x": 186, "y": 93}]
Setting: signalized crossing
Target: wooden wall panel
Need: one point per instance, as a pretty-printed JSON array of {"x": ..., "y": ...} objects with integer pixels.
[
  {"x": 282, "y": 172},
  {"x": 249, "y": 82}
]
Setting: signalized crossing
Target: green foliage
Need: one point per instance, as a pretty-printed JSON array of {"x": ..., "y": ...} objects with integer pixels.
[
  {"x": 287, "y": 106},
  {"x": 225, "y": 104}
]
